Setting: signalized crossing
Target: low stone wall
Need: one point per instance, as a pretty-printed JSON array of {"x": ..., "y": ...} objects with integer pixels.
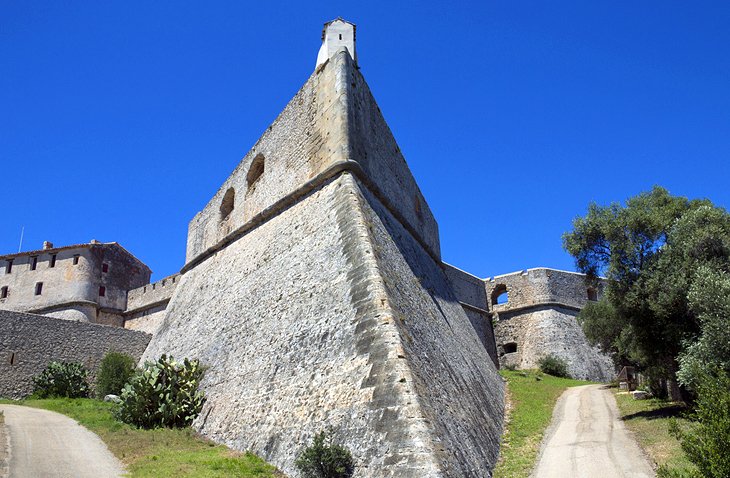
[{"x": 28, "y": 342}]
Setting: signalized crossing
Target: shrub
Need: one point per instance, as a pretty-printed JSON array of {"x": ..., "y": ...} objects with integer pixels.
[
  {"x": 554, "y": 366},
  {"x": 62, "y": 379},
  {"x": 164, "y": 394},
  {"x": 707, "y": 443},
  {"x": 323, "y": 459},
  {"x": 115, "y": 370}
]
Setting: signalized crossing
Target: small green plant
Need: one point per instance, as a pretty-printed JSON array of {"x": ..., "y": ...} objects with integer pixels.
[
  {"x": 324, "y": 459},
  {"x": 62, "y": 379},
  {"x": 164, "y": 394},
  {"x": 114, "y": 372},
  {"x": 707, "y": 443},
  {"x": 554, "y": 366}
]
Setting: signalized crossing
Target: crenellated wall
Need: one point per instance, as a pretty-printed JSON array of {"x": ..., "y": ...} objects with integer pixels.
[{"x": 146, "y": 305}]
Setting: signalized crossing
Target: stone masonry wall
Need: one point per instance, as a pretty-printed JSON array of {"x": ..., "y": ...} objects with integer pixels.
[
  {"x": 146, "y": 305},
  {"x": 471, "y": 293},
  {"x": 539, "y": 319},
  {"x": 298, "y": 327},
  {"x": 28, "y": 342},
  {"x": 319, "y": 128}
]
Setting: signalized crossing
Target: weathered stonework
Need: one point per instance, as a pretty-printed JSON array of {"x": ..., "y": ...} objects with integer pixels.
[
  {"x": 29, "y": 342},
  {"x": 87, "y": 282},
  {"x": 319, "y": 300},
  {"x": 539, "y": 319},
  {"x": 146, "y": 305}
]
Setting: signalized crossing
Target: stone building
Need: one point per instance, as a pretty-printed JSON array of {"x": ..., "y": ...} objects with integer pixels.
[
  {"x": 86, "y": 282},
  {"x": 313, "y": 289},
  {"x": 535, "y": 314}
]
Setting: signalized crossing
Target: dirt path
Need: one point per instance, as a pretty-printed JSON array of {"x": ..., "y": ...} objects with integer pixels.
[
  {"x": 587, "y": 439},
  {"x": 47, "y": 444}
]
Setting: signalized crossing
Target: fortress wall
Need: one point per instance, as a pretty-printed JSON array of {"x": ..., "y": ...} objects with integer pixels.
[
  {"x": 540, "y": 286},
  {"x": 148, "y": 319},
  {"x": 152, "y": 294},
  {"x": 285, "y": 318},
  {"x": 471, "y": 292},
  {"x": 551, "y": 330},
  {"x": 373, "y": 146},
  {"x": 319, "y": 128},
  {"x": 457, "y": 387},
  {"x": 304, "y": 333},
  {"x": 29, "y": 342},
  {"x": 305, "y": 138}
]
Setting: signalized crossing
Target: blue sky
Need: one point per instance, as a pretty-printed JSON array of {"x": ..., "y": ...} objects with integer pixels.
[{"x": 119, "y": 120}]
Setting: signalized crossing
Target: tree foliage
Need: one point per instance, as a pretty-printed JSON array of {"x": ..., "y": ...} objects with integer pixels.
[
  {"x": 164, "y": 394},
  {"x": 651, "y": 251},
  {"x": 707, "y": 443}
]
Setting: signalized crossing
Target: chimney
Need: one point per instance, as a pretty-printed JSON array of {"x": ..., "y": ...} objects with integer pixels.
[{"x": 47, "y": 245}]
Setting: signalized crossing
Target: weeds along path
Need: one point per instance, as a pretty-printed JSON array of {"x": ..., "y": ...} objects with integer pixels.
[{"x": 44, "y": 443}]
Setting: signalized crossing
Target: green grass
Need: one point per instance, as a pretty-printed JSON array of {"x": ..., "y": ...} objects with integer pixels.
[
  {"x": 649, "y": 421},
  {"x": 157, "y": 453},
  {"x": 532, "y": 402}
]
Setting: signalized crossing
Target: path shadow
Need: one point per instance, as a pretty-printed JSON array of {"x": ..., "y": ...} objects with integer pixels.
[{"x": 664, "y": 412}]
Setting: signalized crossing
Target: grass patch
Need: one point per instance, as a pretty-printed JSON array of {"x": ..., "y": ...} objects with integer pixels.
[
  {"x": 649, "y": 421},
  {"x": 162, "y": 452},
  {"x": 532, "y": 402}
]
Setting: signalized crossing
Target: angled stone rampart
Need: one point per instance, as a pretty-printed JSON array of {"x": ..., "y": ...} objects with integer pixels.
[{"x": 319, "y": 300}]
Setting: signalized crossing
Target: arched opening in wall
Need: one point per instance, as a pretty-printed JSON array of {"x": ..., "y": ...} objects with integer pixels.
[
  {"x": 509, "y": 348},
  {"x": 255, "y": 171},
  {"x": 500, "y": 295},
  {"x": 228, "y": 203},
  {"x": 592, "y": 294}
]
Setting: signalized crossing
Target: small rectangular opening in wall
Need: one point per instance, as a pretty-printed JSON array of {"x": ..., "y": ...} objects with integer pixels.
[
  {"x": 12, "y": 358},
  {"x": 4, "y": 292},
  {"x": 9, "y": 267},
  {"x": 53, "y": 261},
  {"x": 33, "y": 263},
  {"x": 76, "y": 259},
  {"x": 38, "y": 288},
  {"x": 102, "y": 291},
  {"x": 105, "y": 267}
]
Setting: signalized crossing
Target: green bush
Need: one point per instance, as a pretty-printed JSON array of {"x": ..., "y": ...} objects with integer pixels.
[
  {"x": 164, "y": 394},
  {"x": 115, "y": 370},
  {"x": 707, "y": 443},
  {"x": 62, "y": 379},
  {"x": 554, "y": 366},
  {"x": 323, "y": 459}
]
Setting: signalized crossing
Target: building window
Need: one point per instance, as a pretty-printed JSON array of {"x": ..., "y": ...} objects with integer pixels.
[
  {"x": 510, "y": 348},
  {"x": 33, "y": 263},
  {"x": 76, "y": 259},
  {"x": 4, "y": 292},
  {"x": 255, "y": 171},
  {"x": 592, "y": 294},
  {"x": 53, "y": 261},
  {"x": 102, "y": 291},
  {"x": 9, "y": 267},
  {"x": 105, "y": 267},
  {"x": 500, "y": 295},
  {"x": 38, "y": 288}
]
